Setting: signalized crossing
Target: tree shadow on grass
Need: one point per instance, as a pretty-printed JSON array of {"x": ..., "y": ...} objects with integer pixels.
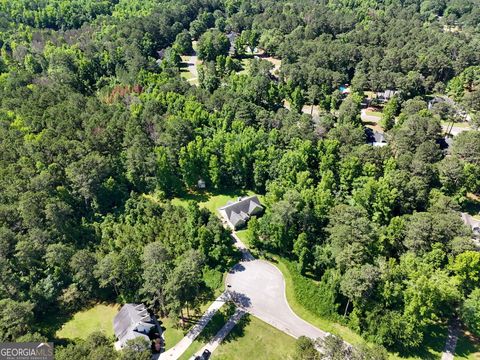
[
  {"x": 205, "y": 195},
  {"x": 238, "y": 330},
  {"x": 52, "y": 322},
  {"x": 467, "y": 344},
  {"x": 434, "y": 341},
  {"x": 217, "y": 322},
  {"x": 471, "y": 206}
]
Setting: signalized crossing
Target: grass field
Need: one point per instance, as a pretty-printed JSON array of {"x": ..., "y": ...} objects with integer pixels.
[
  {"x": 465, "y": 125},
  {"x": 212, "y": 201},
  {"x": 171, "y": 333},
  {"x": 373, "y": 113},
  {"x": 98, "y": 318},
  {"x": 242, "y": 234},
  {"x": 254, "y": 339}
]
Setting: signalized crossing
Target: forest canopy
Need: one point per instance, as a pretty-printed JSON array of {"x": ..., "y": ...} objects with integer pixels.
[{"x": 99, "y": 131}]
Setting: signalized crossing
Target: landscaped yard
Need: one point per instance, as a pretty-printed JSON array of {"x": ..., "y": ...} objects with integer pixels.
[
  {"x": 463, "y": 124},
  {"x": 374, "y": 113},
  {"x": 98, "y": 318},
  {"x": 215, "y": 324},
  {"x": 172, "y": 334},
  {"x": 213, "y": 201},
  {"x": 243, "y": 234},
  {"x": 254, "y": 339}
]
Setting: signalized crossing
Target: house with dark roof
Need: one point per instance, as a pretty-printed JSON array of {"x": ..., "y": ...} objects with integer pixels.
[
  {"x": 132, "y": 321},
  {"x": 236, "y": 214}
]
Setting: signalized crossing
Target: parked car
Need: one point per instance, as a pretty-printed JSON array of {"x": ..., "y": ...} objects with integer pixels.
[
  {"x": 205, "y": 355},
  {"x": 476, "y": 231}
]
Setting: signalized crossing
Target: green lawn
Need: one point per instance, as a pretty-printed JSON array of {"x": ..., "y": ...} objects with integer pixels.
[
  {"x": 184, "y": 73},
  {"x": 98, "y": 318},
  {"x": 172, "y": 334},
  {"x": 242, "y": 234},
  {"x": 373, "y": 113},
  {"x": 212, "y": 201},
  {"x": 465, "y": 125},
  {"x": 215, "y": 324},
  {"x": 467, "y": 348},
  {"x": 254, "y": 339}
]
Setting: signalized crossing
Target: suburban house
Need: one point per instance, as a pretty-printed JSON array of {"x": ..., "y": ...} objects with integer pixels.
[
  {"x": 132, "y": 321},
  {"x": 386, "y": 95},
  {"x": 237, "y": 213},
  {"x": 375, "y": 138},
  {"x": 231, "y": 37}
]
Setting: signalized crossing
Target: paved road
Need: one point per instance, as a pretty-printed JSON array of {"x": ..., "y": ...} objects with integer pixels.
[
  {"x": 222, "y": 333},
  {"x": 176, "y": 351},
  {"x": 258, "y": 287}
]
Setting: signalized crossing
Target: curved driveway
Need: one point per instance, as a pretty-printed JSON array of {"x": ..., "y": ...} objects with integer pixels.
[{"x": 259, "y": 288}]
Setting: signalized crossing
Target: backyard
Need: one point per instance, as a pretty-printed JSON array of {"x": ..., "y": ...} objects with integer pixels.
[{"x": 85, "y": 322}]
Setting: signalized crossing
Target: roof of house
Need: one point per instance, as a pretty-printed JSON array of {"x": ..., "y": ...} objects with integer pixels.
[
  {"x": 231, "y": 37},
  {"x": 387, "y": 94},
  {"x": 238, "y": 212},
  {"x": 129, "y": 318},
  {"x": 375, "y": 137}
]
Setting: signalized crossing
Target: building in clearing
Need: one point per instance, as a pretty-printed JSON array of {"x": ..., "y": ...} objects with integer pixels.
[
  {"x": 132, "y": 321},
  {"x": 375, "y": 138},
  {"x": 236, "y": 214}
]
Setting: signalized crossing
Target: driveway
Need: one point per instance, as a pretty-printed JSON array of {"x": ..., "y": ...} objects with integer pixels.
[
  {"x": 258, "y": 287},
  {"x": 176, "y": 351},
  {"x": 222, "y": 333},
  {"x": 455, "y": 130}
]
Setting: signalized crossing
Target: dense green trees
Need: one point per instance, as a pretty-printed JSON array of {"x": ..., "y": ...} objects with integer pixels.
[
  {"x": 96, "y": 137},
  {"x": 470, "y": 312},
  {"x": 212, "y": 44}
]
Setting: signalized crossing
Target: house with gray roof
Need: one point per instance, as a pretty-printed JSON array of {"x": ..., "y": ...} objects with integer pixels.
[
  {"x": 236, "y": 214},
  {"x": 132, "y": 321},
  {"x": 375, "y": 138},
  {"x": 384, "y": 96}
]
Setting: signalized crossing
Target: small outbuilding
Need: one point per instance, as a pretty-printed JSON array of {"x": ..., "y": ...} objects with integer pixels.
[
  {"x": 132, "y": 321},
  {"x": 237, "y": 213},
  {"x": 201, "y": 184}
]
